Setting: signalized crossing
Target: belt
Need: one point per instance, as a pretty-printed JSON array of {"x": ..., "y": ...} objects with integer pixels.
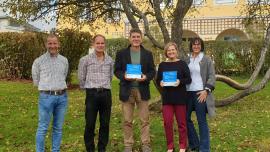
[
  {"x": 98, "y": 89},
  {"x": 53, "y": 92}
]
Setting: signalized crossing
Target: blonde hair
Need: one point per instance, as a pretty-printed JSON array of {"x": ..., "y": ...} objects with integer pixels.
[
  {"x": 98, "y": 35},
  {"x": 167, "y": 47}
]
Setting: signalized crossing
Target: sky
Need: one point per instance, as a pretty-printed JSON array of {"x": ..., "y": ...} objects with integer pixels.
[{"x": 41, "y": 24}]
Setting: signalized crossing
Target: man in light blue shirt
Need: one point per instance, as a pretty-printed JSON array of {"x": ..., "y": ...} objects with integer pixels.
[{"x": 49, "y": 72}]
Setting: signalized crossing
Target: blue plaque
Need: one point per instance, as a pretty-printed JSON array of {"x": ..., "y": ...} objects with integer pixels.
[
  {"x": 169, "y": 78},
  {"x": 134, "y": 71}
]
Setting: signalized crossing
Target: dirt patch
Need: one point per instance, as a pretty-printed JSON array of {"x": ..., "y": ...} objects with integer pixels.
[{"x": 73, "y": 86}]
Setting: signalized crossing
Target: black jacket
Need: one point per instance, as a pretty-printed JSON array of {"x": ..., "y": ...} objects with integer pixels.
[{"x": 148, "y": 68}]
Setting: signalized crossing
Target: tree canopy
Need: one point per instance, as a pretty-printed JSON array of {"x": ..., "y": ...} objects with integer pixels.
[{"x": 167, "y": 14}]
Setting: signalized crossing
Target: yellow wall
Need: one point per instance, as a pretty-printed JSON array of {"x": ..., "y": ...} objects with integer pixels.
[
  {"x": 98, "y": 27},
  {"x": 207, "y": 10},
  {"x": 210, "y": 9}
]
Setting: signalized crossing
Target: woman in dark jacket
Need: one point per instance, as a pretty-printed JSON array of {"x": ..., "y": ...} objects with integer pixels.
[
  {"x": 174, "y": 98},
  {"x": 201, "y": 100}
]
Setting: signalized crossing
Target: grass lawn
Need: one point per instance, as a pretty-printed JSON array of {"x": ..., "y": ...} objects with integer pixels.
[{"x": 242, "y": 126}]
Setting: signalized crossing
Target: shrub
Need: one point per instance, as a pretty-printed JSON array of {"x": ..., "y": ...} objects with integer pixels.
[
  {"x": 239, "y": 57},
  {"x": 19, "y": 50},
  {"x": 73, "y": 46}
]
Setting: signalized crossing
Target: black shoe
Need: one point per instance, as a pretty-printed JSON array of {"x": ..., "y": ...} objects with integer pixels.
[
  {"x": 101, "y": 150},
  {"x": 196, "y": 149}
]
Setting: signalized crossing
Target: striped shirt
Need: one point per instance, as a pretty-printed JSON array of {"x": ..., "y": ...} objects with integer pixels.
[
  {"x": 50, "y": 72},
  {"x": 93, "y": 73}
]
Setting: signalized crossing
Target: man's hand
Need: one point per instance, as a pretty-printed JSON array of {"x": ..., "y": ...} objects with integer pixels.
[
  {"x": 142, "y": 79},
  {"x": 161, "y": 83},
  {"x": 128, "y": 79}
]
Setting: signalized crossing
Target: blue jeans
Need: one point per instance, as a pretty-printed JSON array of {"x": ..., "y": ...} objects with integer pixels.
[
  {"x": 50, "y": 105},
  {"x": 200, "y": 108}
]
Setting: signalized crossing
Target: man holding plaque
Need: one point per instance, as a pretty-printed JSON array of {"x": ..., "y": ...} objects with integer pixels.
[{"x": 134, "y": 67}]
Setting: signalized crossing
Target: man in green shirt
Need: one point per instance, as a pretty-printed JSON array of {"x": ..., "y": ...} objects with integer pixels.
[{"x": 135, "y": 91}]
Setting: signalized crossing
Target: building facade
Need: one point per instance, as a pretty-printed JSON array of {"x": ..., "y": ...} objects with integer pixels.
[
  {"x": 8, "y": 24},
  {"x": 208, "y": 19}
]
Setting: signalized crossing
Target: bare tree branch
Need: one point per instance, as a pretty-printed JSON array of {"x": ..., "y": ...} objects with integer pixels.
[
  {"x": 246, "y": 92},
  {"x": 180, "y": 11},
  {"x": 131, "y": 18},
  {"x": 146, "y": 26},
  {"x": 160, "y": 21}
]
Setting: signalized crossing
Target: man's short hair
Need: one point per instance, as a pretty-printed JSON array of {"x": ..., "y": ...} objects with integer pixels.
[
  {"x": 135, "y": 30},
  {"x": 53, "y": 35}
]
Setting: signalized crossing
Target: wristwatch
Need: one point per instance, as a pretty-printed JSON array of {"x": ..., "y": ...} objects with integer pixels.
[{"x": 207, "y": 90}]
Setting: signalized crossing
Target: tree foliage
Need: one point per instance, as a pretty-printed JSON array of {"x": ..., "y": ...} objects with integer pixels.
[
  {"x": 90, "y": 10},
  {"x": 164, "y": 12},
  {"x": 167, "y": 14}
]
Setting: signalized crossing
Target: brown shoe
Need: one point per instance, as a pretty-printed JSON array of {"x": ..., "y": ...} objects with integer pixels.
[
  {"x": 146, "y": 148},
  {"x": 128, "y": 149}
]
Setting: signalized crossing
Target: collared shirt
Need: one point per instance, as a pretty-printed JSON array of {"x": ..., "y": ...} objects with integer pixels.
[
  {"x": 93, "y": 73},
  {"x": 50, "y": 72},
  {"x": 135, "y": 59},
  {"x": 195, "y": 73}
]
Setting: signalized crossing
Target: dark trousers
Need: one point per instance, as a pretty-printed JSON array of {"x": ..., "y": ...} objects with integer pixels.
[
  {"x": 203, "y": 140},
  {"x": 97, "y": 102}
]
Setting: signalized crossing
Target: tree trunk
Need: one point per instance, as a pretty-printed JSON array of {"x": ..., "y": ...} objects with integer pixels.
[{"x": 246, "y": 92}]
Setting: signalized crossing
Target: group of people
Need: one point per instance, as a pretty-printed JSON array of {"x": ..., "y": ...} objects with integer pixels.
[{"x": 191, "y": 92}]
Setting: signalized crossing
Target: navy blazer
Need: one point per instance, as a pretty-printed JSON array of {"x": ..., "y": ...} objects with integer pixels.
[{"x": 148, "y": 68}]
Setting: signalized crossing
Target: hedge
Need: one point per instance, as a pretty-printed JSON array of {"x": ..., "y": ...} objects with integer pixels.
[
  {"x": 237, "y": 57},
  {"x": 18, "y": 51}
]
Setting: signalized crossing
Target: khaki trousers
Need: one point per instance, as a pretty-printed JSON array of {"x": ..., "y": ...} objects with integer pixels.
[{"x": 143, "y": 112}]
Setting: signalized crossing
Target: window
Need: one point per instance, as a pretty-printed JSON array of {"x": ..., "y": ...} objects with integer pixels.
[
  {"x": 231, "y": 38},
  {"x": 14, "y": 24},
  {"x": 225, "y": 1},
  {"x": 198, "y": 2}
]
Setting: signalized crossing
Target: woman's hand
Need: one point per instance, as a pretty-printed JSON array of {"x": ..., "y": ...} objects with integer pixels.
[
  {"x": 177, "y": 83},
  {"x": 202, "y": 96}
]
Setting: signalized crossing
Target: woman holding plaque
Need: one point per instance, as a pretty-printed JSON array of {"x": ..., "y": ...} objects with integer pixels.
[
  {"x": 173, "y": 76},
  {"x": 200, "y": 98}
]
